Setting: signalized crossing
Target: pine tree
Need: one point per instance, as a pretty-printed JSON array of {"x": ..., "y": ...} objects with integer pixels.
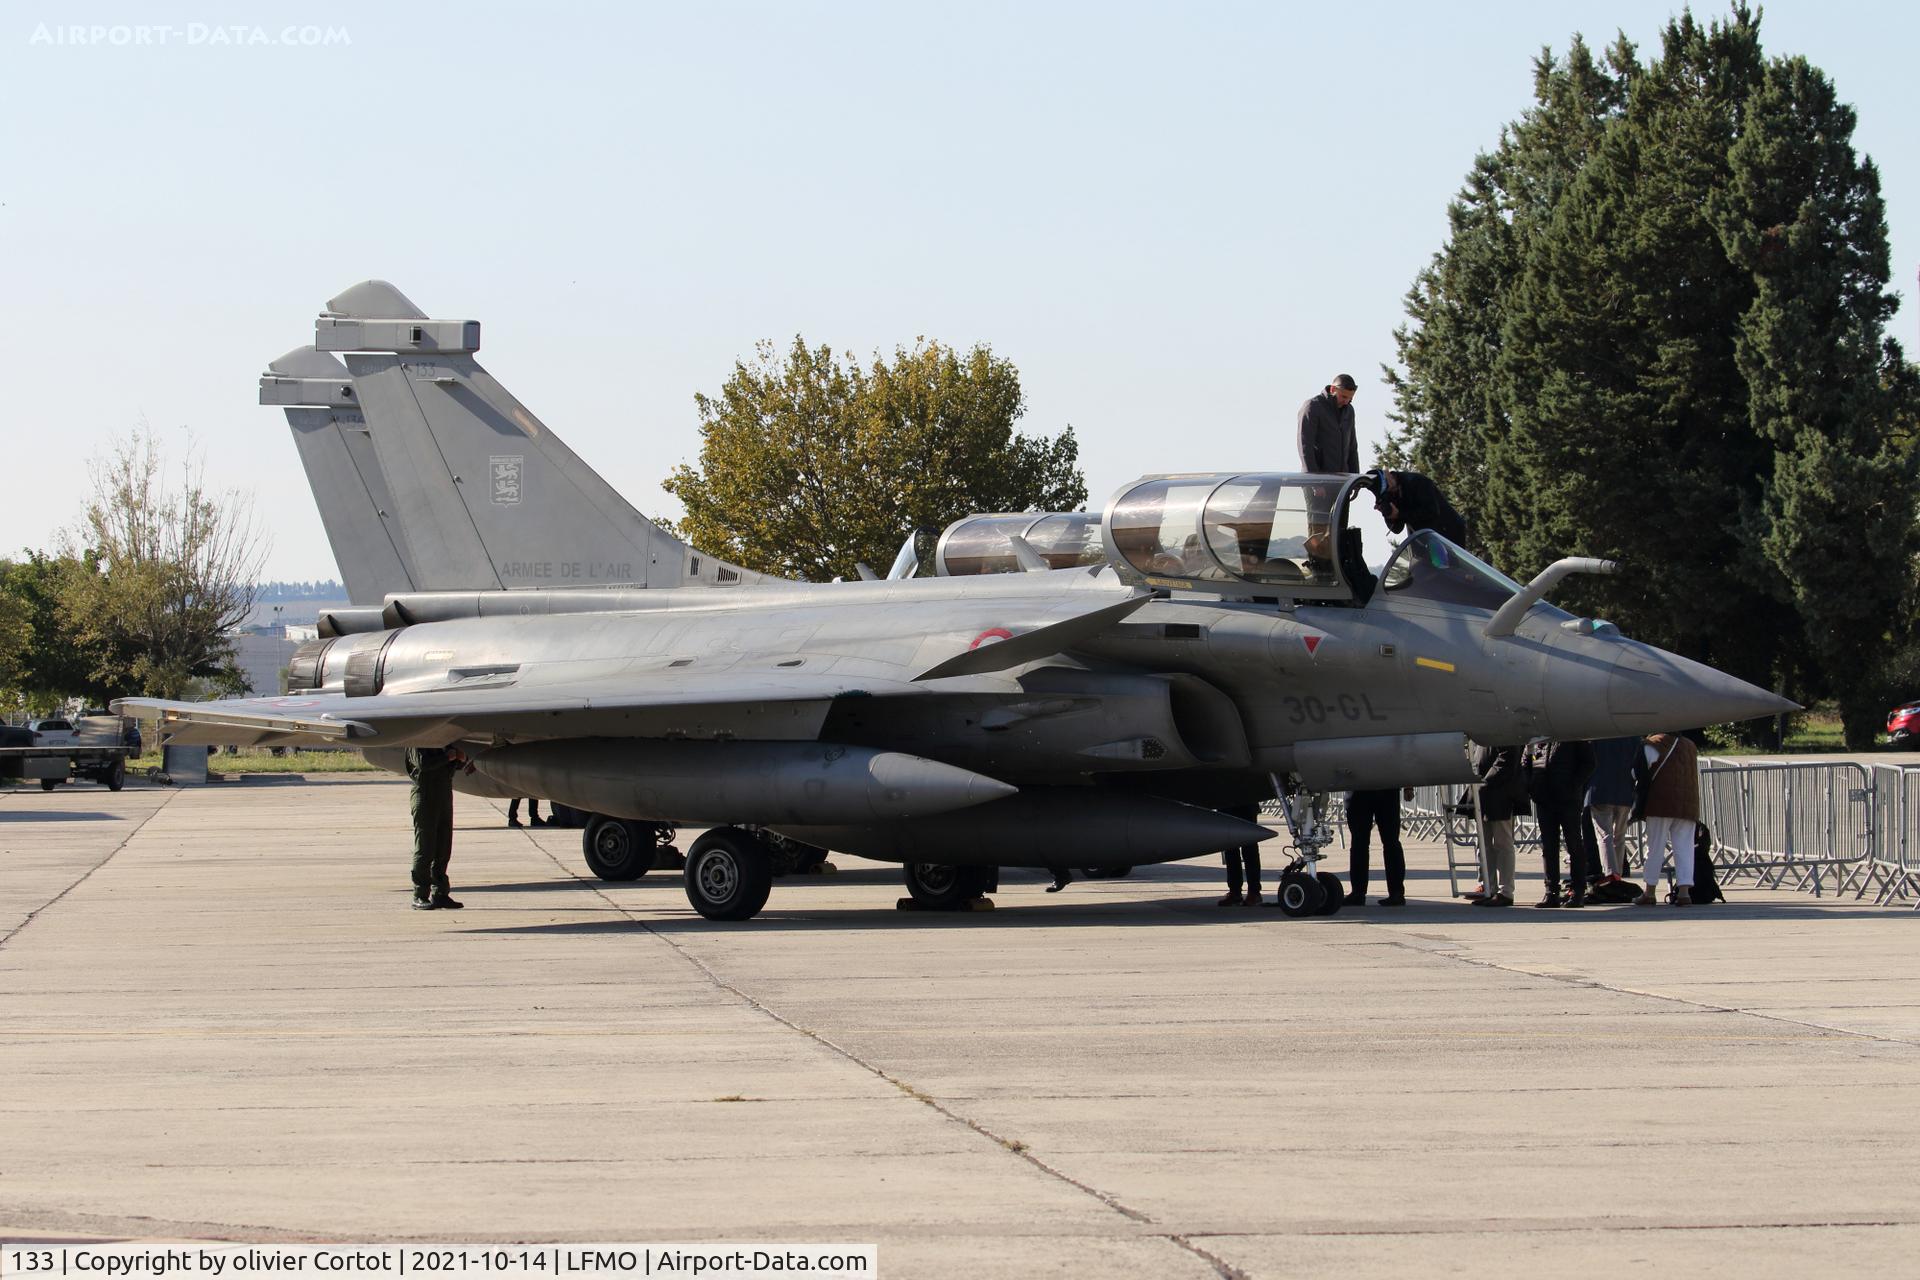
[
  {"x": 1802, "y": 216},
  {"x": 1656, "y": 334}
]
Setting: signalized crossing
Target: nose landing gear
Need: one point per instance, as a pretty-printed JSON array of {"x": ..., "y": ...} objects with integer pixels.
[{"x": 1305, "y": 890}]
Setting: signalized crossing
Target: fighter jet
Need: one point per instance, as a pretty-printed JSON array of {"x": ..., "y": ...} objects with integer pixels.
[{"x": 1204, "y": 642}]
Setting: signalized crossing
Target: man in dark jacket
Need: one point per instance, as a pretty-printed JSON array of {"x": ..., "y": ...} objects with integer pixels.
[
  {"x": 1557, "y": 780},
  {"x": 1609, "y": 802},
  {"x": 1408, "y": 500},
  {"x": 1503, "y": 792},
  {"x": 1365, "y": 810},
  {"x": 1329, "y": 445}
]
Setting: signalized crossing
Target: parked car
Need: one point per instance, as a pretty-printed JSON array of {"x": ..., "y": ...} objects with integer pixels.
[
  {"x": 51, "y": 733},
  {"x": 1903, "y": 726}
]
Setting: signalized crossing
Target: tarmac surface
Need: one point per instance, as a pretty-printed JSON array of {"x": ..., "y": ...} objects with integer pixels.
[{"x": 219, "y": 1019}]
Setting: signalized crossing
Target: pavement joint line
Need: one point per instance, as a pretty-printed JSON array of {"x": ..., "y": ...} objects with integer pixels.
[
  {"x": 1459, "y": 956},
  {"x": 1013, "y": 1146},
  {"x": 35, "y": 914}
]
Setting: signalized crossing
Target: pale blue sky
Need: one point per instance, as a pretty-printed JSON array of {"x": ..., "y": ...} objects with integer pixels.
[{"x": 1178, "y": 220}]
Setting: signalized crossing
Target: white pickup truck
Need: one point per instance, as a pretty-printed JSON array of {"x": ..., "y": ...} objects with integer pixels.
[{"x": 57, "y": 751}]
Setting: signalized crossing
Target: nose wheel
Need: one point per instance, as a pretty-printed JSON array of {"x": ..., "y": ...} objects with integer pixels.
[{"x": 1305, "y": 890}]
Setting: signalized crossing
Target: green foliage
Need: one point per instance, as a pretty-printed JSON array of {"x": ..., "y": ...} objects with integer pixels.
[
  {"x": 42, "y": 663},
  {"x": 1656, "y": 334},
  {"x": 808, "y": 466},
  {"x": 172, "y": 575}
]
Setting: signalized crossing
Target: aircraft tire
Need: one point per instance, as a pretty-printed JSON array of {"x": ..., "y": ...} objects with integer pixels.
[
  {"x": 48, "y": 784},
  {"x": 1300, "y": 895},
  {"x": 617, "y": 850},
  {"x": 1330, "y": 885},
  {"x": 939, "y": 887},
  {"x": 729, "y": 874}
]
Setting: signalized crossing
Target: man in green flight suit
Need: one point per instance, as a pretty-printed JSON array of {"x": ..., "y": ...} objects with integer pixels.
[{"x": 432, "y": 770}]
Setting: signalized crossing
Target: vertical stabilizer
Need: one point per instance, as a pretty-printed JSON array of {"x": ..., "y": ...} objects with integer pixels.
[
  {"x": 485, "y": 495},
  {"x": 337, "y": 452}
]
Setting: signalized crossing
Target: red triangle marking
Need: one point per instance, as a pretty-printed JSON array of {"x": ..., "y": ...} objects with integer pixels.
[{"x": 1312, "y": 643}]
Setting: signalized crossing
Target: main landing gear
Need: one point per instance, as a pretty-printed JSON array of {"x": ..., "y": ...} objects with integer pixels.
[
  {"x": 731, "y": 870},
  {"x": 1305, "y": 890},
  {"x": 619, "y": 849},
  {"x": 935, "y": 886}
]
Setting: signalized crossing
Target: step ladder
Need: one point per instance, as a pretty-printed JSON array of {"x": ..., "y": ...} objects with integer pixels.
[{"x": 1466, "y": 841}]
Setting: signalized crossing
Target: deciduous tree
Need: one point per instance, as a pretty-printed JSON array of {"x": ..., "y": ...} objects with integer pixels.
[
  {"x": 174, "y": 569},
  {"x": 809, "y": 465}
]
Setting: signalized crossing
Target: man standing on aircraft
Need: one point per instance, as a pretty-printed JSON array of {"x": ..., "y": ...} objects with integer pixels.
[
  {"x": 1409, "y": 500},
  {"x": 1328, "y": 443},
  {"x": 1365, "y": 810},
  {"x": 432, "y": 769}
]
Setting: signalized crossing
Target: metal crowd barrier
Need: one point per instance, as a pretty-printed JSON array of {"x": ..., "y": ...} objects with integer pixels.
[
  {"x": 1805, "y": 826},
  {"x": 1822, "y": 827}
]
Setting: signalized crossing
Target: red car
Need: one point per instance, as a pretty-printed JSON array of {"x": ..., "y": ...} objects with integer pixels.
[{"x": 1903, "y": 726}]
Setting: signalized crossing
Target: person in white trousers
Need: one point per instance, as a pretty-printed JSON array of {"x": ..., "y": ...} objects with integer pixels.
[{"x": 1668, "y": 776}]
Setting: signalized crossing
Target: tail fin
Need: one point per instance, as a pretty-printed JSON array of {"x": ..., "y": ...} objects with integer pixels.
[
  {"x": 355, "y": 506},
  {"x": 484, "y": 494}
]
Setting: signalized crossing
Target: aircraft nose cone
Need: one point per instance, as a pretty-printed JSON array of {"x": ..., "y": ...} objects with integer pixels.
[{"x": 1651, "y": 691}]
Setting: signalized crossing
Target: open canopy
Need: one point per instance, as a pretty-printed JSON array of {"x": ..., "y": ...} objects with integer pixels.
[{"x": 1261, "y": 534}]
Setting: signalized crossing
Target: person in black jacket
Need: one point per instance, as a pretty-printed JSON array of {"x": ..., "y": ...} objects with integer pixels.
[
  {"x": 1408, "y": 500},
  {"x": 1367, "y": 809},
  {"x": 1503, "y": 793},
  {"x": 1329, "y": 444},
  {"x": 1557, "y": 774}
]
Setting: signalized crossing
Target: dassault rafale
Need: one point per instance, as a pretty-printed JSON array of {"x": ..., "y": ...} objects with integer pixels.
[{"x": 1086, "y": 690}]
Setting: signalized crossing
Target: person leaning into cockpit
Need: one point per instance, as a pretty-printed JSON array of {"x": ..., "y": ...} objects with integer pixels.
[{"x": 1408, "y": 500}]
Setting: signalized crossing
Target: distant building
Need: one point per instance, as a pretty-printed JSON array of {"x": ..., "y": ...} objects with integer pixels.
[{"x": 262, "y": 657}]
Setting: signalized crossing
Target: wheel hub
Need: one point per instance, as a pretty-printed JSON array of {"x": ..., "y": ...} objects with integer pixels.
[{"x": 717, "y": 876}]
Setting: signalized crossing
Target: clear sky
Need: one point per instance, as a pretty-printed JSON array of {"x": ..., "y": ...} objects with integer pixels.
[{"x": 1178, "y": 220}]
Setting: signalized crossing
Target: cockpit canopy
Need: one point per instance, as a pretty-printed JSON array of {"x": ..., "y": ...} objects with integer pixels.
[
  {"x": 1266, "y": 534},
  {"x": 1428, "y": 567},
  {"x": 1246, "y": 536},
  {"x": 984, "y": 544}
]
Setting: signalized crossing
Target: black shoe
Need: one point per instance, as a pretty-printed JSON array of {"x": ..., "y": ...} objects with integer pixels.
[
  {"x": 424, "y": 904},
  {"x": 540, "y": 822},
  {"x": 1394, "y": 900},
  {"x": 1550, "y": 901},
  {"x": 1577, "y": 900},
  {"x": 1354, "y": 900},
  {"x": 441, "y": 902},
  {"x": 513, "y": 822}
]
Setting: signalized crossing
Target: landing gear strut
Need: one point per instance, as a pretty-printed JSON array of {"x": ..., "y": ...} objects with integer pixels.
[{"x": 1305, "y": 890}]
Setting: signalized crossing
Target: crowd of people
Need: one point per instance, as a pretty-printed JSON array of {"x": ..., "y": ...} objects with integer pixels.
[{"x": 1582, "y": 795}]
